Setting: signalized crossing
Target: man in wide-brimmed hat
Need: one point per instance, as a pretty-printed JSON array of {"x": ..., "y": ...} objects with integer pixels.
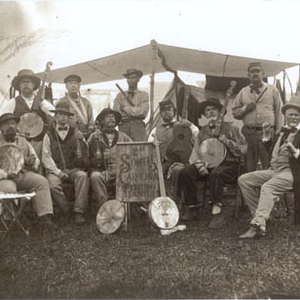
[
  {"x": 226, "y": 172},
  {"x": 133, "y": 106},
  {"x": 255, "y": 104},
  {"x": 25, "y": 179},
  {"x": 261, "y": 189},
  {"x": 102, "y": 153},
  {"x": 26, "y": 83},
  {"x": 81, "y": 107},
  {"x": 65, "y": 159}
]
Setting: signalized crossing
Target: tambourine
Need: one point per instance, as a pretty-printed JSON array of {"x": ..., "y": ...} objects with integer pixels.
[
  {"x": 110, "y": 216},
  {"x": 163, "y": 213},
  {"x": 11, "y": 159}
]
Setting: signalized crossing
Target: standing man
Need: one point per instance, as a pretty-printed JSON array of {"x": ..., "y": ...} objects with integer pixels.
[
  {"x": 255, "y": 104},
  {"x": 133, "y": 106},
  {"x": 102, "y": 153},
  {"x": 226, "y": 172},
  {"x": 65, "y": 159},
  {"x": 26, "y": 179},
  {"x": 261, "y": 189},
  {"x": 27, "y": 83},
  {"x": 80, "y": 107}
]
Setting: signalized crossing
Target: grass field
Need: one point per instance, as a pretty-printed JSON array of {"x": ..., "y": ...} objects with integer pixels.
[{"x": 79, "y": 262}]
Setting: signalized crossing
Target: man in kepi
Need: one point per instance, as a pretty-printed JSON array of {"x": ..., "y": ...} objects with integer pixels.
[
  {"x": 65, "y": 159},
  {"x": 102, "y": 153},
  {"x": 133, "y": 106},
  {"x": 261, "y": 189},
  {"x": 226, "y": 172},
  {"x": 80, "y": 107},
  {"x": 257, "y": 103},
  {"x": 26, "y": 179}
]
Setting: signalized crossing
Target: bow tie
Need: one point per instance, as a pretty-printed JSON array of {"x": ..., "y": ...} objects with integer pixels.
[
  {"x": 212, "y": 126},
  {"x": 62, "y": 128},
  {"x": 288, "y": 130},
  {"x": 255, "y": 88},
  {"x": 171, "y": 124}
]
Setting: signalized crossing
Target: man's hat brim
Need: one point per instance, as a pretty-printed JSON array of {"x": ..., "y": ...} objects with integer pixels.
[
  {"x": 290, "y": 105},
  {"x": 210, "y": 101},
  {"x": 72, "y": 77},
  {"x": 6, "y": 117},
  {"x": 138, "y": 73},
  {"x": 107, "y": 111},
  {"x": 16, "y": 81}
]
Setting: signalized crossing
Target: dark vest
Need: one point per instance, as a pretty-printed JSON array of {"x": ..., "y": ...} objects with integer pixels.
[
  {"x": 68, "y": 147},
  {"x": 164, "y": 136}
]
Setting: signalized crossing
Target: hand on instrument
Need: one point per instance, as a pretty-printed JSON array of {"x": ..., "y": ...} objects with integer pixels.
[
  {"x": 63, "y": 176},
  {"x": 185, "y": 123},
  {"x": 79, "y": 135},
  {"x": 250, "y": 106},
  {"x": 266, "y": 131},
  {"x": 223, "y": 139},
  {"x": 30, "y": 161},
  {"x": 11, "y": 176},
  {"x": 202, "y": 168}
]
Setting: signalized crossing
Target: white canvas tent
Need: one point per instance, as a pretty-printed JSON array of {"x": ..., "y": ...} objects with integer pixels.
[{"x": 150, "y": 57}]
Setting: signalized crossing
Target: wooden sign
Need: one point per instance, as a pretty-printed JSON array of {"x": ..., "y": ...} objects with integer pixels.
[{"x": 137, "y": 177}]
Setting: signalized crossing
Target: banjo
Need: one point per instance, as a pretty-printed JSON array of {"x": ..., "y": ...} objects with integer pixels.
[
  {"x": 212, "y": 151},
  {"x": 162, "y": 211},
  {"x": 31, "y": 124}
]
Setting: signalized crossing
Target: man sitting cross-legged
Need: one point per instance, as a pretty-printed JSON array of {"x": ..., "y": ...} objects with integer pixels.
[
  {"x": 282, "y": 175},
  {"x": 65, "y": 159}
]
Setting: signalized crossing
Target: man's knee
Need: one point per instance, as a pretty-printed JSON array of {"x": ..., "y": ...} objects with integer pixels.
[
  {"x": 96, "y": 177},
  {"x": 8, "y": 186}
]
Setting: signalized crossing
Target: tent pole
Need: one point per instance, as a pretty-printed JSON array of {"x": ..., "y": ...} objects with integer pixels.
[{"x": 154, "y": 59}]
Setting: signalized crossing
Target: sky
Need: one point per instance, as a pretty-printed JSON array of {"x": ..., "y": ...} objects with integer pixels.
[{"x": 72, "y": 31}]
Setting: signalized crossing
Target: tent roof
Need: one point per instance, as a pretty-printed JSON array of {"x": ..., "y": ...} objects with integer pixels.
[{"x": 180, "y": 59}]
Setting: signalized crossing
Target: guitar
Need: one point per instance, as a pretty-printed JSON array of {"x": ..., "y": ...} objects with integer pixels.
[
  {"x": 180, "y": 147},
  {"x": 212, "y": 151}
]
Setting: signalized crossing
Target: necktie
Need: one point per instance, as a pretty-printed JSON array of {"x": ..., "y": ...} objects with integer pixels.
[
  {"x": 255, "y": 88},
  {"x": 286, "y": 131}
]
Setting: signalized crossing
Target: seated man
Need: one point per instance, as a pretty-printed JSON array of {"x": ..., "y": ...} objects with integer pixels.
[
  {"x": 282, "y": 174},
  {"x": 226, "y": 172},
  {"x": 102, "y": 152},
  {"x": 164, "y": 132},
  {"x": 26, "y": 179},
  {"x": 65, "y": 159}
]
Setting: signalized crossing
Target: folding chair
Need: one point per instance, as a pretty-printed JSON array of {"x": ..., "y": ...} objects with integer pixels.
[{"x": 11, "y": 210}]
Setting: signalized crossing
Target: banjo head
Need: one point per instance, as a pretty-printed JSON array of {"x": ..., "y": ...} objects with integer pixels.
[
  {"x": 163, "y": 213},
  {"x": 110, "y": 216},
  {"x": 212, "y": 151},
  {"x": 31, "y": 125},
  {"x": 11, "y": 159}
]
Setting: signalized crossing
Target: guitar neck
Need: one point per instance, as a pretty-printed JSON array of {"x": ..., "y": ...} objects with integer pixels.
[{"x": 184, "y": 113}]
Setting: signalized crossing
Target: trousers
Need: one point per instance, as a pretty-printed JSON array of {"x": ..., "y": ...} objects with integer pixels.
[
  {"x": 42, "y": 202},
  {"x": 256, "y": 150},
  {"x": 188, "y": 177},
  {"x": 81, "y": 183},
  {"x": 261, "y": 189}
]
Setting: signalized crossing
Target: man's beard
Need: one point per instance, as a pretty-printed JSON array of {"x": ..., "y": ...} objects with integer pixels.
[{"x": 10, "y": 135}]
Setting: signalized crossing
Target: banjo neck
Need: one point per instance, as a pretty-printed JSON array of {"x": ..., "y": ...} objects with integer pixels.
[{"x": 220, "y": 120}]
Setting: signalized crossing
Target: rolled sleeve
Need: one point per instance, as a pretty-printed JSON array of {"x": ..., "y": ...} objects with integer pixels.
[{"x": 47, "y": 160}]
